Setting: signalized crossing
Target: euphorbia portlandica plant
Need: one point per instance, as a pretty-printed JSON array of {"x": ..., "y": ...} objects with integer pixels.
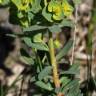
[{"x": 37, "y": 18}]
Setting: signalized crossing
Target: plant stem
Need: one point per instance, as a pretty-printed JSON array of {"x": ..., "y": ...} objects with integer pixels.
[{"x": 53, "y": 62}]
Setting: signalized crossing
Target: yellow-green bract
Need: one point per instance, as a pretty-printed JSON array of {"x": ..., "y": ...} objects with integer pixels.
[
  {"x": 67, "y": 8},
  {"x": 22, "y": 5},
  {"x": 55, "y": 8},
  {"x": 60, "y": 9}
]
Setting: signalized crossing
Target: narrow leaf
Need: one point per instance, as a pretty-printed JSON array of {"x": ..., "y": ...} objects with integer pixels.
[
  {"x": 27, "y": 60},
  {"x": 66, "y": 23},
  {"x": 34, "y": 28},
  {"x": 64, "y": 50},
  {"x": 55, "y": 28},
  {"x": 39, "y": 46},
  {"x": 47, "y": 15},
  {"x": 43, "y": 85},
  {"x": 45, "y": 72},
  {"x": 73, "y": 70}
]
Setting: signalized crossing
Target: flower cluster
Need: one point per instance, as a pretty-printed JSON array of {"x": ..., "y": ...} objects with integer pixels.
[
  {"x": 22, "y": 5},
  {"x": 59, "y": 9}
]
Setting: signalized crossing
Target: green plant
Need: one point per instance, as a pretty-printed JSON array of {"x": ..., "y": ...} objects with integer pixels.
[{"x": 38, "y": 18}]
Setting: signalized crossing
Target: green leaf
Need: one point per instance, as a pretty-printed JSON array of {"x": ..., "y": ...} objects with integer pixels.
[
  {"x": 55, "y": 28},
  {"x": 38, "y": 46},
  {"x": 72, "y": 84},
  {"x": 64, "y": 80},
  {"x": 38, "y": 37},
  {"x": 27, "y": 60},
  {"x": 45, "y": 72},
  {"x": 75, "y": 91},
  {"x": 47, "y": 15},
  {"x": 20, "y": 15},
  {"x": 34, "y": 28},
  {"x": 73, "y": 88},
  {"x": 64, "y": 50},
  {"x": 36, "y": 6},
  {"x": 66, "y": 23},
  {"x": 44, "y": 85},
  {"x": 73, "y": 70},
  {"x": 30, "y": 16}
]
